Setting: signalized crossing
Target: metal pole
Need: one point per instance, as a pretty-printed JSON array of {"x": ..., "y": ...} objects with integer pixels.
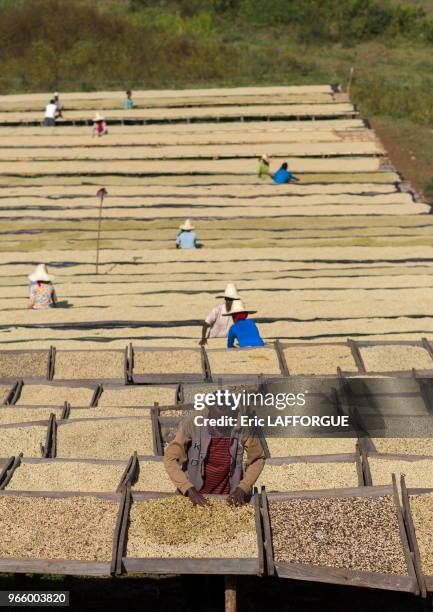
[{"x": 101, "y": 194}]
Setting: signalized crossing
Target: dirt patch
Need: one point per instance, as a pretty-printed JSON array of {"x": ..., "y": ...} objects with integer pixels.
[{"x": 403, "y": 154}]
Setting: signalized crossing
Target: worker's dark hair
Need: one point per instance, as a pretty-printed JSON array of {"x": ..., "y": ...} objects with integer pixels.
[
  {"x": 52, "y": 101},
  {"x": 128, "y": 92},
  {"x": 284, "y": 166}
]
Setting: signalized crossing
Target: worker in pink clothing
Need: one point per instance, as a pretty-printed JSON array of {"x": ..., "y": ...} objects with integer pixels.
[
  {"x": 216, "y": 325},
  {"x": 99, "y": 126}
]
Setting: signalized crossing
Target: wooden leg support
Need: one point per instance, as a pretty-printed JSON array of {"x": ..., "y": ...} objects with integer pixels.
[{"x": 230, "y": 584}]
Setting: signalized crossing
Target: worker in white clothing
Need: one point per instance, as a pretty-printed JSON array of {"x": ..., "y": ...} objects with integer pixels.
[
  {"x": 216, "y": 325},
  {"x": 50, "y": 114}
]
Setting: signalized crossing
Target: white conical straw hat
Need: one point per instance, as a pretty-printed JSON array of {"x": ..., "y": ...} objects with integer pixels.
[
  {"x": 187, "y": 225},
  {"x": 99, "y": 117},
  {"x": 230, "y": 292},
  {"x": 265, "y": 157},
  {"x": 237, "y": 307},
  {"x": 41, "y": 274}
]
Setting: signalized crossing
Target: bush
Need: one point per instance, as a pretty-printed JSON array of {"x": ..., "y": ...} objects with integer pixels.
[{"x": 428, "y": 189}]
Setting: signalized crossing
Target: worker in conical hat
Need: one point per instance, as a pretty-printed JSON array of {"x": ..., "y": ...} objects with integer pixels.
[
  {"x": 186, "y": 238},
  {"x": 244, "y": 331},
  {"x": 264, "y": 168},
  {"x": 215, "y": 324},
  {"x": 99, "y": 125},
  {"x": 42, "y": 292},
  {"x": 59, "y": 104}
]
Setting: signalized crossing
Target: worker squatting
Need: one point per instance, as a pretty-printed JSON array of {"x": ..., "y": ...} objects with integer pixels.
[{"x": 273, "y": 421}]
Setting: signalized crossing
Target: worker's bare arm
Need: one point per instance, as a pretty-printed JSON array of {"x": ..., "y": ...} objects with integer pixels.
[{"x": 204, "y": 331}]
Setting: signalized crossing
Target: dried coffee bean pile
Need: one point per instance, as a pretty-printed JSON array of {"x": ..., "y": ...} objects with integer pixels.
[
  {"x": 79, "y": 528},
  {"x": 356, "y": 533},
  {"x": 292, "y": 447},
  {"x": 417, "y": 473},
  {"x": 168, "y": 362},
  {"x": 173, "y": 527},
  {"x": 90, "y": 365},
  {"x": 104, "y": 438},
  {"x": 67, "y": 476},
  {"x": 308, "y": 476},
  {"x": 238, "y": 361},
  {"x": 422, "y": 512},
  {"x": 24, "y": 365}
]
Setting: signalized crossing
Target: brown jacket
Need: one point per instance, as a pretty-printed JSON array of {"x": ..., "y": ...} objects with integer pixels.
[{"x": 185, "y": 456}]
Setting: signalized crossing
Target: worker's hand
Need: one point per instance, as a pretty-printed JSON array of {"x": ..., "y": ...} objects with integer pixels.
[
  {"x": 203, "y": 341},
  {"x": 237, "y": 498},
  {"x": 196, "y": 498}
]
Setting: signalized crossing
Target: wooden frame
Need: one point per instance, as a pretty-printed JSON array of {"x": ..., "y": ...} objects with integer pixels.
[
  {"x": 126, "y": 477},
  {"x": 424, "y": 344},
  {"x": 387, "y": 457},
  {"x": 331, "y": 458},
  {"x": 5, "y": 467},
  {"x": 282, "y": 358},
  {"x": 82, "y": 382},
  {"x": 14, "y": 393},
  {"x": 29, "y": 378},
  {"x": 60, "y": 566},
  {"x": 356, "y": 345},
  {"x": 248, "y": 378},
  {"x": 44, "y": 448},
  {"x": 52, "y": 384},
  {"x": 65, "y": 423},
  {"x": 99, "y": 391},
  {"x": 425, "y": 580},
  {"x": 136, "y": 472},
  {"x": 332, "y": 575},
  {"x": 173, "y": 378},
  {"x": 205, "y": 565}
]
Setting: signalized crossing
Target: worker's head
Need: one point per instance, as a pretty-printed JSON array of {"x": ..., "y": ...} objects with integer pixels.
[
  {"x": 230, "y": 294},
  {"x": 52, "y": 101},
  {"x": 284, "y": 166},
  {"x": 128, "y": 94},
  {"x": 239, "y": 316},
  {"x": 228, "y": 302},
  {"x": 56, "y": 95},
  {"x": 238, "y": 311}
]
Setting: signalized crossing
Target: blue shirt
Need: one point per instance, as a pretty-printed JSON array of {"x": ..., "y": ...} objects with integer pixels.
[
  {"x": 186, "y": 240},
  {"x": 283, "y": 176},
  {"x": 129, "y": 104},
  {"x": 245, "y": 332}
]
